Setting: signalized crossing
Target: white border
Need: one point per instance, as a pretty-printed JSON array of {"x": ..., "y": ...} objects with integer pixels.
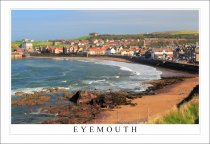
[{"x": 146, "y": 133}]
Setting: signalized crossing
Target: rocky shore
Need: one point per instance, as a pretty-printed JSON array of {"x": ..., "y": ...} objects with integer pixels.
[{"x": 83, "y": 106}]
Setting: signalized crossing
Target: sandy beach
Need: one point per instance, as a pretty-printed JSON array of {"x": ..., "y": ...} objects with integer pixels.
[
  {"x": 150, "y": 105},
  {"x": 86, "y": 58}
]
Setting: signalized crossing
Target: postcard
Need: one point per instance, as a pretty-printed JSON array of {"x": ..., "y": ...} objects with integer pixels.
[{"x": 90, "y": 71}]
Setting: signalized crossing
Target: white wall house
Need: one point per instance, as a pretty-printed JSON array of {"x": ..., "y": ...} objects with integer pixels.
[
  {"x": 110, "y": 51},
  {"x": 161, "y": 53},
  {"x": 118, "y": 50},
  {"x": 28, "y": 46},
  {"x": 127, "y": 53}
]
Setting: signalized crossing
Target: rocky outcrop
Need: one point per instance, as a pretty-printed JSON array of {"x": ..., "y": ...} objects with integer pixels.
[
  {"x": 19, "y": 93},
  {"x": 161, "y": 83},
  {"x": 75, "y": 114},
  {"x": 111, "y": 100},
  {"x": 51, "y": 90},
  {"x": 86, "y": 97},
  {"x": 75, "y": 98},
  {"x": 69, "y": 108},
  {"x": 31, "y": 100},
  {"x": 82, "y": 97}
]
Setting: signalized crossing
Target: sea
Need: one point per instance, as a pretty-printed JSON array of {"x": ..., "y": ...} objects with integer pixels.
[{"x": 34, "y": 74}]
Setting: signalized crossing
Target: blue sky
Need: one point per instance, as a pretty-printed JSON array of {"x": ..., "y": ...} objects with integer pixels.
[{"x": 67, "y": 24}]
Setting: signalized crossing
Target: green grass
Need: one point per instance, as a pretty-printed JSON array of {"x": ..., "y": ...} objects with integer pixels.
[
  {"x": 187, "y": 114},
  {"x": 83, "y": 38},
  {"x": 16, "y": 44},
  {"x": 41, "y": 43},
  {"x": 185, "y": 32},
  {"x": 178, "y": 32}
]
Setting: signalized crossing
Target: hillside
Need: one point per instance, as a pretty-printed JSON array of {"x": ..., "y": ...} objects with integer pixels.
[
  {"x": 83, "y": 38},
  {"x": 192, "y": 36},
  {"x": 178, "y": 32}
]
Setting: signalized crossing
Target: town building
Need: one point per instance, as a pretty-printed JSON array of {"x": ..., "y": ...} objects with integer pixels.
[
  {"x": 94, "y": 34},
  {"x": 136, "y": 50},
  {"x": 162, "y": 53},
  {"x": 127, "y": 52},
  {"x": 119, "y": 49},
  {"x": 110, "y": 51},
  {"x": 66, "y": 50},
  {"x": 97, "y": 51},
  {"x": 27, "y": 45},
  {"x": 57, "y": 50},
  {"x": 197, "y": 54},
  {"x": 178, "y": 53}
]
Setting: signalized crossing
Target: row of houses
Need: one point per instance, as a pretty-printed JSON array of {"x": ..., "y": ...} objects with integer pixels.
[
  {"x": 116, "y": 47},
  {"x": 105, "y": 50},
  {"x": 164, "y": 53},
  {"x": 190, "y": 53}
]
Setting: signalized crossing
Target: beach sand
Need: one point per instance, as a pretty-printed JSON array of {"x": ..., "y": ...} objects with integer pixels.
[
  {"x": 148, "y": 106},
  {"x": 86, "y": 58}
]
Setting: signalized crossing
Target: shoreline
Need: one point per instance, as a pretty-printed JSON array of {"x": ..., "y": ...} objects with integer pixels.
[
  {"x": 166, "y": 72},
  {"x": 85, "y": 58},
  {"x": 164, "y": 98}
]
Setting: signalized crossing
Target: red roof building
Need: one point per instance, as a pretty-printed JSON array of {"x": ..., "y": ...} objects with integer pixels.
[{"x": 98, "y": 50}]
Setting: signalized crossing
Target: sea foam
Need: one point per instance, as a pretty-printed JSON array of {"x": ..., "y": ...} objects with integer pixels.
[
  {"x": 93, "y": 81},
  {"x": 26, "y": 90}
]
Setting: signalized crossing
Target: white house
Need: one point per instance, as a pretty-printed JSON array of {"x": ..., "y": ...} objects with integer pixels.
[
  {"x": 97, "y": 51},
  {"x": 162, "y": 53},
  {"x": 110, "y": 51},
  {"x": 27, "y": 45},
  {"x": 127, "y": 52},
  {"x": 119, "y": 49}
]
